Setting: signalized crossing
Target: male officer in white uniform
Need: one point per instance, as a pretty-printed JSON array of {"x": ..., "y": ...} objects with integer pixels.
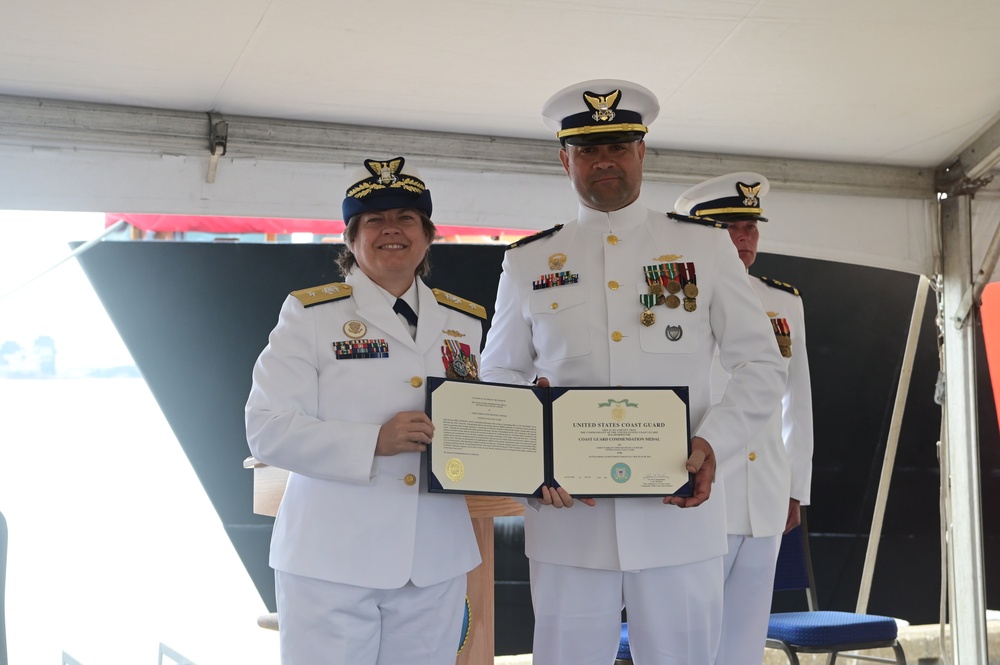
[
  {"x": 639, "y": 300},
  {"x": 369, "y": 567},
  {"x": 770, "y": 479}
]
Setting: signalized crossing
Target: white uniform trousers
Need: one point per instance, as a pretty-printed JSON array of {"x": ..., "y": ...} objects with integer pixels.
[
  {"x": 746, "y": 605},
  {"x": 674, "y": 613},
  {"x": 327, "y": 623}
]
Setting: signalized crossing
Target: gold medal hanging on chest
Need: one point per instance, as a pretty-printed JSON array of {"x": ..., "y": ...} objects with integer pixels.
[
  {"x": 654, "y": 279},
  {"x": 647, "y": 318},
  {"x": 657, "y": 291},
  {"x": 783, "y": 335},
  {"x": 673, "y": 282},
  {"x": 689, "y": 285}
]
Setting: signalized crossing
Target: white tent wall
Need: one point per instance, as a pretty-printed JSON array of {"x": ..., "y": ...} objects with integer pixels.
[
  {"x": 89, "y": 157},
  {"x": 893, "y": 233}
]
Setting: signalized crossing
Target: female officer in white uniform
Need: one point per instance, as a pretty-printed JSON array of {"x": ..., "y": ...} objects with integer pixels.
[{"x": 369, "y": 567}]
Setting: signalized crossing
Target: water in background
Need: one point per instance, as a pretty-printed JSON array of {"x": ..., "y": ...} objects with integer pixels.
[{"x": 114, "y": 546}]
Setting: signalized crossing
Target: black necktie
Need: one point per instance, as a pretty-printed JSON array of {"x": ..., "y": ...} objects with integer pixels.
[{"x": 402, "y": 307}]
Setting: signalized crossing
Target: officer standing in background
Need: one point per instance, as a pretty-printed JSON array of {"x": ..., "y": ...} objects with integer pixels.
[
  {"x": 768, "y": 482},
  {"x": 370, "y": 569},
  {"x": 625, "y": 296}
]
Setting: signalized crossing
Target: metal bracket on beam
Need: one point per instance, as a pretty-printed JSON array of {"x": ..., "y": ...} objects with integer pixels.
[
  {"x": 970, "y": 170},
  {"x": 218, "y": 137},
  {"x": 953, "y": 181}
]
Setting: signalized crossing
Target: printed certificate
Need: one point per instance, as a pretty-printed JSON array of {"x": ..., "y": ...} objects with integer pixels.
[{"x": 596, "y": 442}]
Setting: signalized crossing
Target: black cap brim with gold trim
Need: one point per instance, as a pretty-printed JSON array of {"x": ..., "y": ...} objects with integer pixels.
[
  {"x": 601, "y": 111},
  {"x": 733, "y": 197},
  {"x": 383, "y": 185}
]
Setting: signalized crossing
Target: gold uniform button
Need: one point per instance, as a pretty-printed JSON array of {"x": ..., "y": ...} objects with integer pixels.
[
  {"x": 752, "y": 456},
  {"x": 612, "y": 239},
  {"x": 613, "y": 285},
  {"x": 554, "y": 305},
  {"x": 410, "y": 479},
  {"x": 617, "y": 336},
  {"x": 416, "y": 382}
]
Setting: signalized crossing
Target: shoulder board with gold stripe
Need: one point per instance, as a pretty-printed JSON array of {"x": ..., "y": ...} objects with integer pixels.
[
  {"x": 784, "y": 286},
  {"x": 320, "y": 294},
  {"x": 460, "y": 304},
  {"x": 704, "y": 221},
  {"x": 536, "y": 236}
]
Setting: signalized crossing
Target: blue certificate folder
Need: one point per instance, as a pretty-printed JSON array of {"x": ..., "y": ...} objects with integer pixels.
[{"x": 510, "y": 440}]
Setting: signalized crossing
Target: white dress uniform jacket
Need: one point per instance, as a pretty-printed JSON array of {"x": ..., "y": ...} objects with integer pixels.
[
  {"x": 348, "y": 516},
  {"x": 777, "y": 463},
  {"x": 589, "y": 333}
]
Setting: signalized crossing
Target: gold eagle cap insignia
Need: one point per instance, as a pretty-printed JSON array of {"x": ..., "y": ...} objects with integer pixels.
[
  {"x": 749, "y": 193},
  {"x": 603, "y": 106},
  {"x": 385, "y": 171}
]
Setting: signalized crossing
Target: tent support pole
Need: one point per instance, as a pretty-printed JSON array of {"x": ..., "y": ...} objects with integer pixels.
[{"x": 965, "y": 539}]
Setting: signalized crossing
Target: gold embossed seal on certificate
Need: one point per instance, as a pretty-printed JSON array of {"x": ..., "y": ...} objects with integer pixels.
[{"x": 454, "y": 469}]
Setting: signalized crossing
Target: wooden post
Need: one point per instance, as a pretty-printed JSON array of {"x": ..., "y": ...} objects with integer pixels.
[{"x": 481, "y": 645}]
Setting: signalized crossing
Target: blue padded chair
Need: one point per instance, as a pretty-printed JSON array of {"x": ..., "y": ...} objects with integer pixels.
[
  {"x": 814, "y": 631},
  {"x": 818, "y": 631},
  {"x": 624, "y": 653}
]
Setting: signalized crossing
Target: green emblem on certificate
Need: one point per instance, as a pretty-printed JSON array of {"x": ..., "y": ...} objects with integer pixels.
[
  {"x": 620, "y": 473},
  {"x": 455, "y": 470}
]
